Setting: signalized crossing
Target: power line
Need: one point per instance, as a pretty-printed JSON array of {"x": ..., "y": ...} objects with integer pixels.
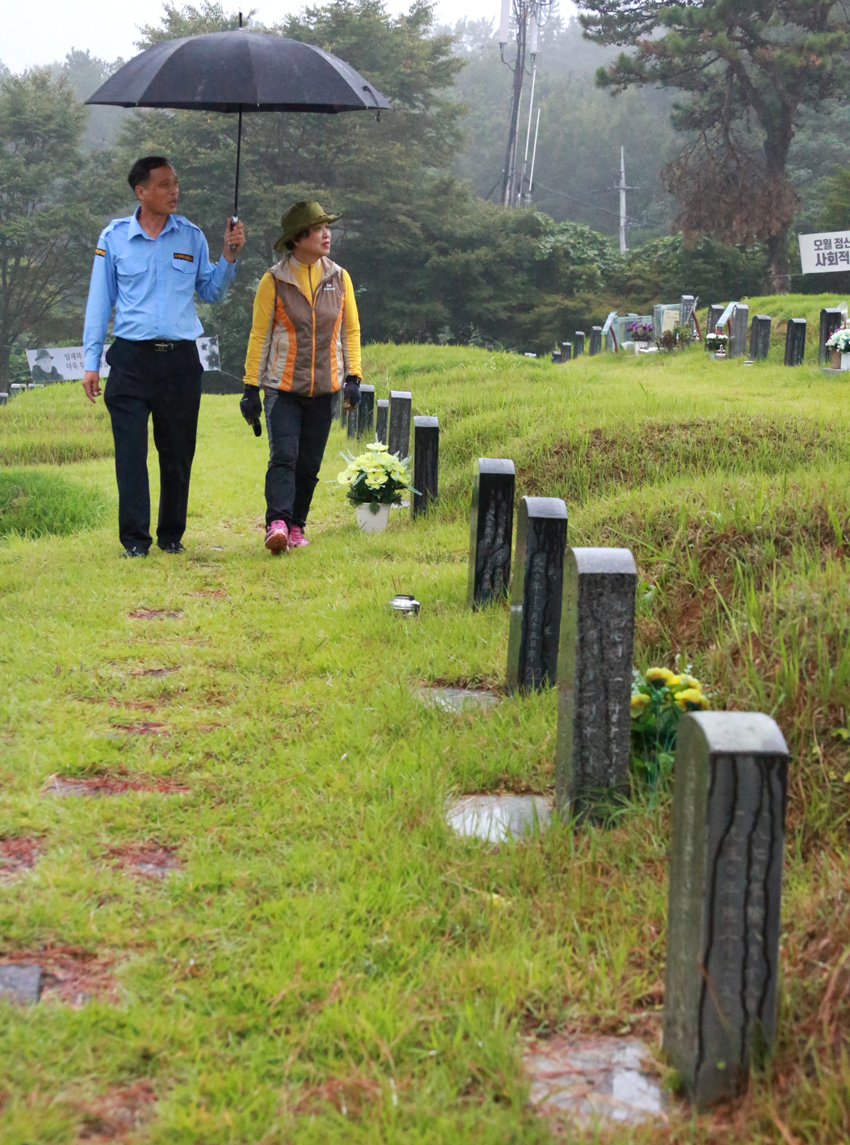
[{"x": 573, "y": 199}]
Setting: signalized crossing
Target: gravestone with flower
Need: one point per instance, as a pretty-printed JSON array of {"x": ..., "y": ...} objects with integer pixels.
[
  {"x": 831, "y": 319},
  {"x": 594, "y": 680},
  {"x": 366, "y": 411},
  {"x": 374, "y": 480},
  {"x": 426, "y": 463}
]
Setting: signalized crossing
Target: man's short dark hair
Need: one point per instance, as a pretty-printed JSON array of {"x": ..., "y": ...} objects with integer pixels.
[{"x": 140, "y": 172}]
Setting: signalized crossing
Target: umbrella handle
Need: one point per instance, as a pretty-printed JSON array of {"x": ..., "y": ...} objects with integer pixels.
[{"x": 234, "y": 219}]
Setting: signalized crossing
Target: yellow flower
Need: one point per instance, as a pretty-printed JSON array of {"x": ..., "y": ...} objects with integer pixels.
[
  {"x": 691, "y": 700},
  {"x": 674, "y": 681},
  {"x": 639, "y": 704},
  {"x": 376, "y": 447},
  {"x": 691, "y": 682},
  {"x": 659, "y": 677}
]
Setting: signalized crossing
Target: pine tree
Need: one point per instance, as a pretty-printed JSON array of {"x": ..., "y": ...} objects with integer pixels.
[{"x": 749, "y": 68}]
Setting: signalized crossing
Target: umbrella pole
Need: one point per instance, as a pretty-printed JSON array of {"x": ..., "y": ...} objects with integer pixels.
[{"x": 238, "y": 157}]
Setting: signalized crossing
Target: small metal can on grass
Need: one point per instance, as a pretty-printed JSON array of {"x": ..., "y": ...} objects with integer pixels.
[{"x": 405, "y": 605}]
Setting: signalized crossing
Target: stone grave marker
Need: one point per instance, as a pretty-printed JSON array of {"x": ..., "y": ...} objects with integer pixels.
[
  {"x": 795, "y": 342},
  {"x": 595, "y": 681},
  {"x": 4, "y": 397},
  {"x": 738, "y": 324},
  {"x": 714, "y": 312},
  {"x": 831, "y": 320},
  {"x": 398, "y": 431},
  {"x": 351, "y": 422},
  {"x": 491, "y": 526},
  {"x": 16, "y": 389},
  {"x": 381, "y": 419},
  {"x": 686, "y": 309},
  {"x": 731, "y": 776},
  {"x": 566, "y": 351},
  {"x": 578, "y": 343},
  {"x": 595, "y": 346},
  {"x": 21, "y": 984},
  {"x": 366, "y": 412},
  {"x": 760, "y": 337},
  {"x": 535, "y": 628},
  {"x": 426, "y": 463}
]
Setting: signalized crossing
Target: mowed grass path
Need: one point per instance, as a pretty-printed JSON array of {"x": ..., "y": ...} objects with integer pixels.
[{"x": 330, "y": 963}]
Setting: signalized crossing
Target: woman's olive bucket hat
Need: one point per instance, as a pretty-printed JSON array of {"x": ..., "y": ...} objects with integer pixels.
[{"x": 301, "y": 216}]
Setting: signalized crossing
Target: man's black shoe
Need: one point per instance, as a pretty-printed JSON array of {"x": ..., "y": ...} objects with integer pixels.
[
  {"x": 134, "y": 552},
  {"x": 173, "y": 547}
]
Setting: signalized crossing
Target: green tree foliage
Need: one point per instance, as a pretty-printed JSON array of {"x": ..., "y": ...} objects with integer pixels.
[
  {"x": 48, "y": 223},
  {"x": 749, "y": 68}
]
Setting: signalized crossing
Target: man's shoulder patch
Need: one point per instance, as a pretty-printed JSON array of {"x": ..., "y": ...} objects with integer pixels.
[
  {"x": 185, "y": 257},
  {"x": 100, "y": 250}
]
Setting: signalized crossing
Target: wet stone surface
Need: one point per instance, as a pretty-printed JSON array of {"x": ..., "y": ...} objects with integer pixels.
[
  {"x": 155, "y": 614},
  {"x": 499, "y": 818},
  {"x": 587, "y": 1080},
  {"x": 458, "y": 699},
  {"x": 21, "y": 984}
]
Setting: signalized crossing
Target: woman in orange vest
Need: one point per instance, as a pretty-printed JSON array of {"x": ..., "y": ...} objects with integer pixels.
[{"x": 303, "y": 348}]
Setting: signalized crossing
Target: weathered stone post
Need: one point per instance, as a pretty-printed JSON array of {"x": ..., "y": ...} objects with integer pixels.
[
  {"x": 760, "y": 337},
  {"x": 595, "y": 346},
  {"x": 398, "y": 433},
  {"x": 426, "y": 463},
  {"x": 578, "y": 343},
  {"x": 381, "y": 420},
  {"x": 4, "y": 397},
  {"x": 491, "y": 527},
  {"x": 595, "y": 681},
  {"x": 714, "y": 312},
  {"x": 366, "y": 412},
  {"x": 795, "y": 342},
  {"x": 16, "y": 389},
  {"x": 738, "y": 331},
  {"x": 731, "y": 775},
  {"x": 535, "y": 630},
  {"x": 566, "y": 351},
  {"x": 831, "y": 319},
  {"x": 351, "y": 422}
]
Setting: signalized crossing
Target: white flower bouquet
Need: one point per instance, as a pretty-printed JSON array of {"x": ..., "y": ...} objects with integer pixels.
[
  {"x": 376, "y": 477},
  {"x": 840, "y": 341}
]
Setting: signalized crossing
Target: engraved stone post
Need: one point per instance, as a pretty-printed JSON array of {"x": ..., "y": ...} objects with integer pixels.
[
  {"x": 731, "y": 773},
  {"x": 351, "y": 422},
  {"x": 4, "y": 397},
  {"x": 566, "y": 351},
  {"x": 595, "y": 346},
  {"x": 686, "y": 308},
  {"x": 795, "y": 342},
  {"x": 578, "y": 343},
  {"x": 760, "y": 337},
  {"x": 398, "y": 433},
  {"x": 426, "y": 463},
  {"x": 16, "y": 389},
  {"x": 595, "y": 681},
  {"x": 738, "y": 331},
  {"x": 714, "y": 313},
  {"x": 831, "y": 319},
  {"x": 366, "y": 412},
  {"x": 541, "y": 538},
  {"x": 381, "y": 420},
  {"x": 491, "y": 527}
]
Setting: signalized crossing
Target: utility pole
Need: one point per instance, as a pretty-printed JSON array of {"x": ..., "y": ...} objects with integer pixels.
[{"x": 527, "y": 16}]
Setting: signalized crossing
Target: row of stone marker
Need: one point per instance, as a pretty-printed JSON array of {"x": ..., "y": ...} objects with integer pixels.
[
  {"x": 17, "y": 388},
  {"x": 392, "y": 429},
  {"x": 831, "y": 319},
  {"x": 572, "y": 623}
]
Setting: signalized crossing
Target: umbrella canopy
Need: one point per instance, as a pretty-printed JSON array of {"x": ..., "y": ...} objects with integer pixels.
[{"x": 239, "y": 71}]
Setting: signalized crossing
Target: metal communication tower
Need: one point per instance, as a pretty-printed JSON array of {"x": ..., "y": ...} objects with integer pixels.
[{"x": 525, "y": 18}]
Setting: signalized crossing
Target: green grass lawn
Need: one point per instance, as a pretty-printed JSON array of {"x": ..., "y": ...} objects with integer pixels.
[{"x": 330, "y": 963}]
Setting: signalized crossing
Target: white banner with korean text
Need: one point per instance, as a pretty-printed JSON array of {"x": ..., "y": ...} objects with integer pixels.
[
  {"x": 825, "y": 253},
  {"x": 67, "y": 363}
]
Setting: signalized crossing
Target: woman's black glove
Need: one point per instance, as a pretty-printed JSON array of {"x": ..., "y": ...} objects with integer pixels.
[
  {"x": 251, "y": 408},
  {"x": 351, "y": 391}
]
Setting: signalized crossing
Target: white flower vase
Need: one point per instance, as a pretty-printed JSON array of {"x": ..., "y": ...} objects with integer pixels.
[{"x": 372, "y": 518}]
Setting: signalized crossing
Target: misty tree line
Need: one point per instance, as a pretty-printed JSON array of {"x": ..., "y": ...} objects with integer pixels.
[{"x": 432, "y": 257}]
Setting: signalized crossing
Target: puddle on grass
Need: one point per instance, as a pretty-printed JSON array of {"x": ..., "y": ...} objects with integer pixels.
[
  {"x": 457, "y": 699},
  {"x": 154, "y": 672},
  {"x": 587, "y": 1080},
  {"x": 110, "y": 783},
  {"x": 155, "y": 614},
  {"x": 497, "y": 818}
]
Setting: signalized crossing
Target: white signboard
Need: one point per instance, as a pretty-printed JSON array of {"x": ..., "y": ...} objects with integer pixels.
[
  {"x": 67, "y": 363},
  {"x": 825, "y": 253}
]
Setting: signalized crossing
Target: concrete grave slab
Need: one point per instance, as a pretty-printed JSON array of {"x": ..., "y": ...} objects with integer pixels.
[
  {"x": 499, "y": 818},
  {"x": 21, "y": 984},
  {"x": 458, "y": 699}
]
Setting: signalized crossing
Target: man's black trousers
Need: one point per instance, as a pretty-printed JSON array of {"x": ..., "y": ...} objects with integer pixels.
[
  {"x": 144, "y": 382},
  {"x": 298, "y": 429}
]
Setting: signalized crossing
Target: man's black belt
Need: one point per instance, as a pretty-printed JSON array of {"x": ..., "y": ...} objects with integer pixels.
[{"x": 159, "y": 345}]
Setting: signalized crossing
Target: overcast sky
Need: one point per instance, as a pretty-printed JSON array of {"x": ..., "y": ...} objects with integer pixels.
[{"x": 51, "y": 28}]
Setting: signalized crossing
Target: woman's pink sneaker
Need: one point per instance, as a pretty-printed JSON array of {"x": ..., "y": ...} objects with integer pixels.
[
  {"x": 296, "y": 538},
  {"x": 277, "y": 537}
]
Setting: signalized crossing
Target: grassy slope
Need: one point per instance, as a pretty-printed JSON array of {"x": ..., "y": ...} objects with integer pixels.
[{"x": 331, "y": 964}]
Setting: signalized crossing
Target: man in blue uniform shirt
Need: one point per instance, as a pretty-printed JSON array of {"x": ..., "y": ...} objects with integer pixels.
[{"x": 149, "y": 268}]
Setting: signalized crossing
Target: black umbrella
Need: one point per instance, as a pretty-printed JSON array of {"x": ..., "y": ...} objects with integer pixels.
[{"x": 239, "y": 71}]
